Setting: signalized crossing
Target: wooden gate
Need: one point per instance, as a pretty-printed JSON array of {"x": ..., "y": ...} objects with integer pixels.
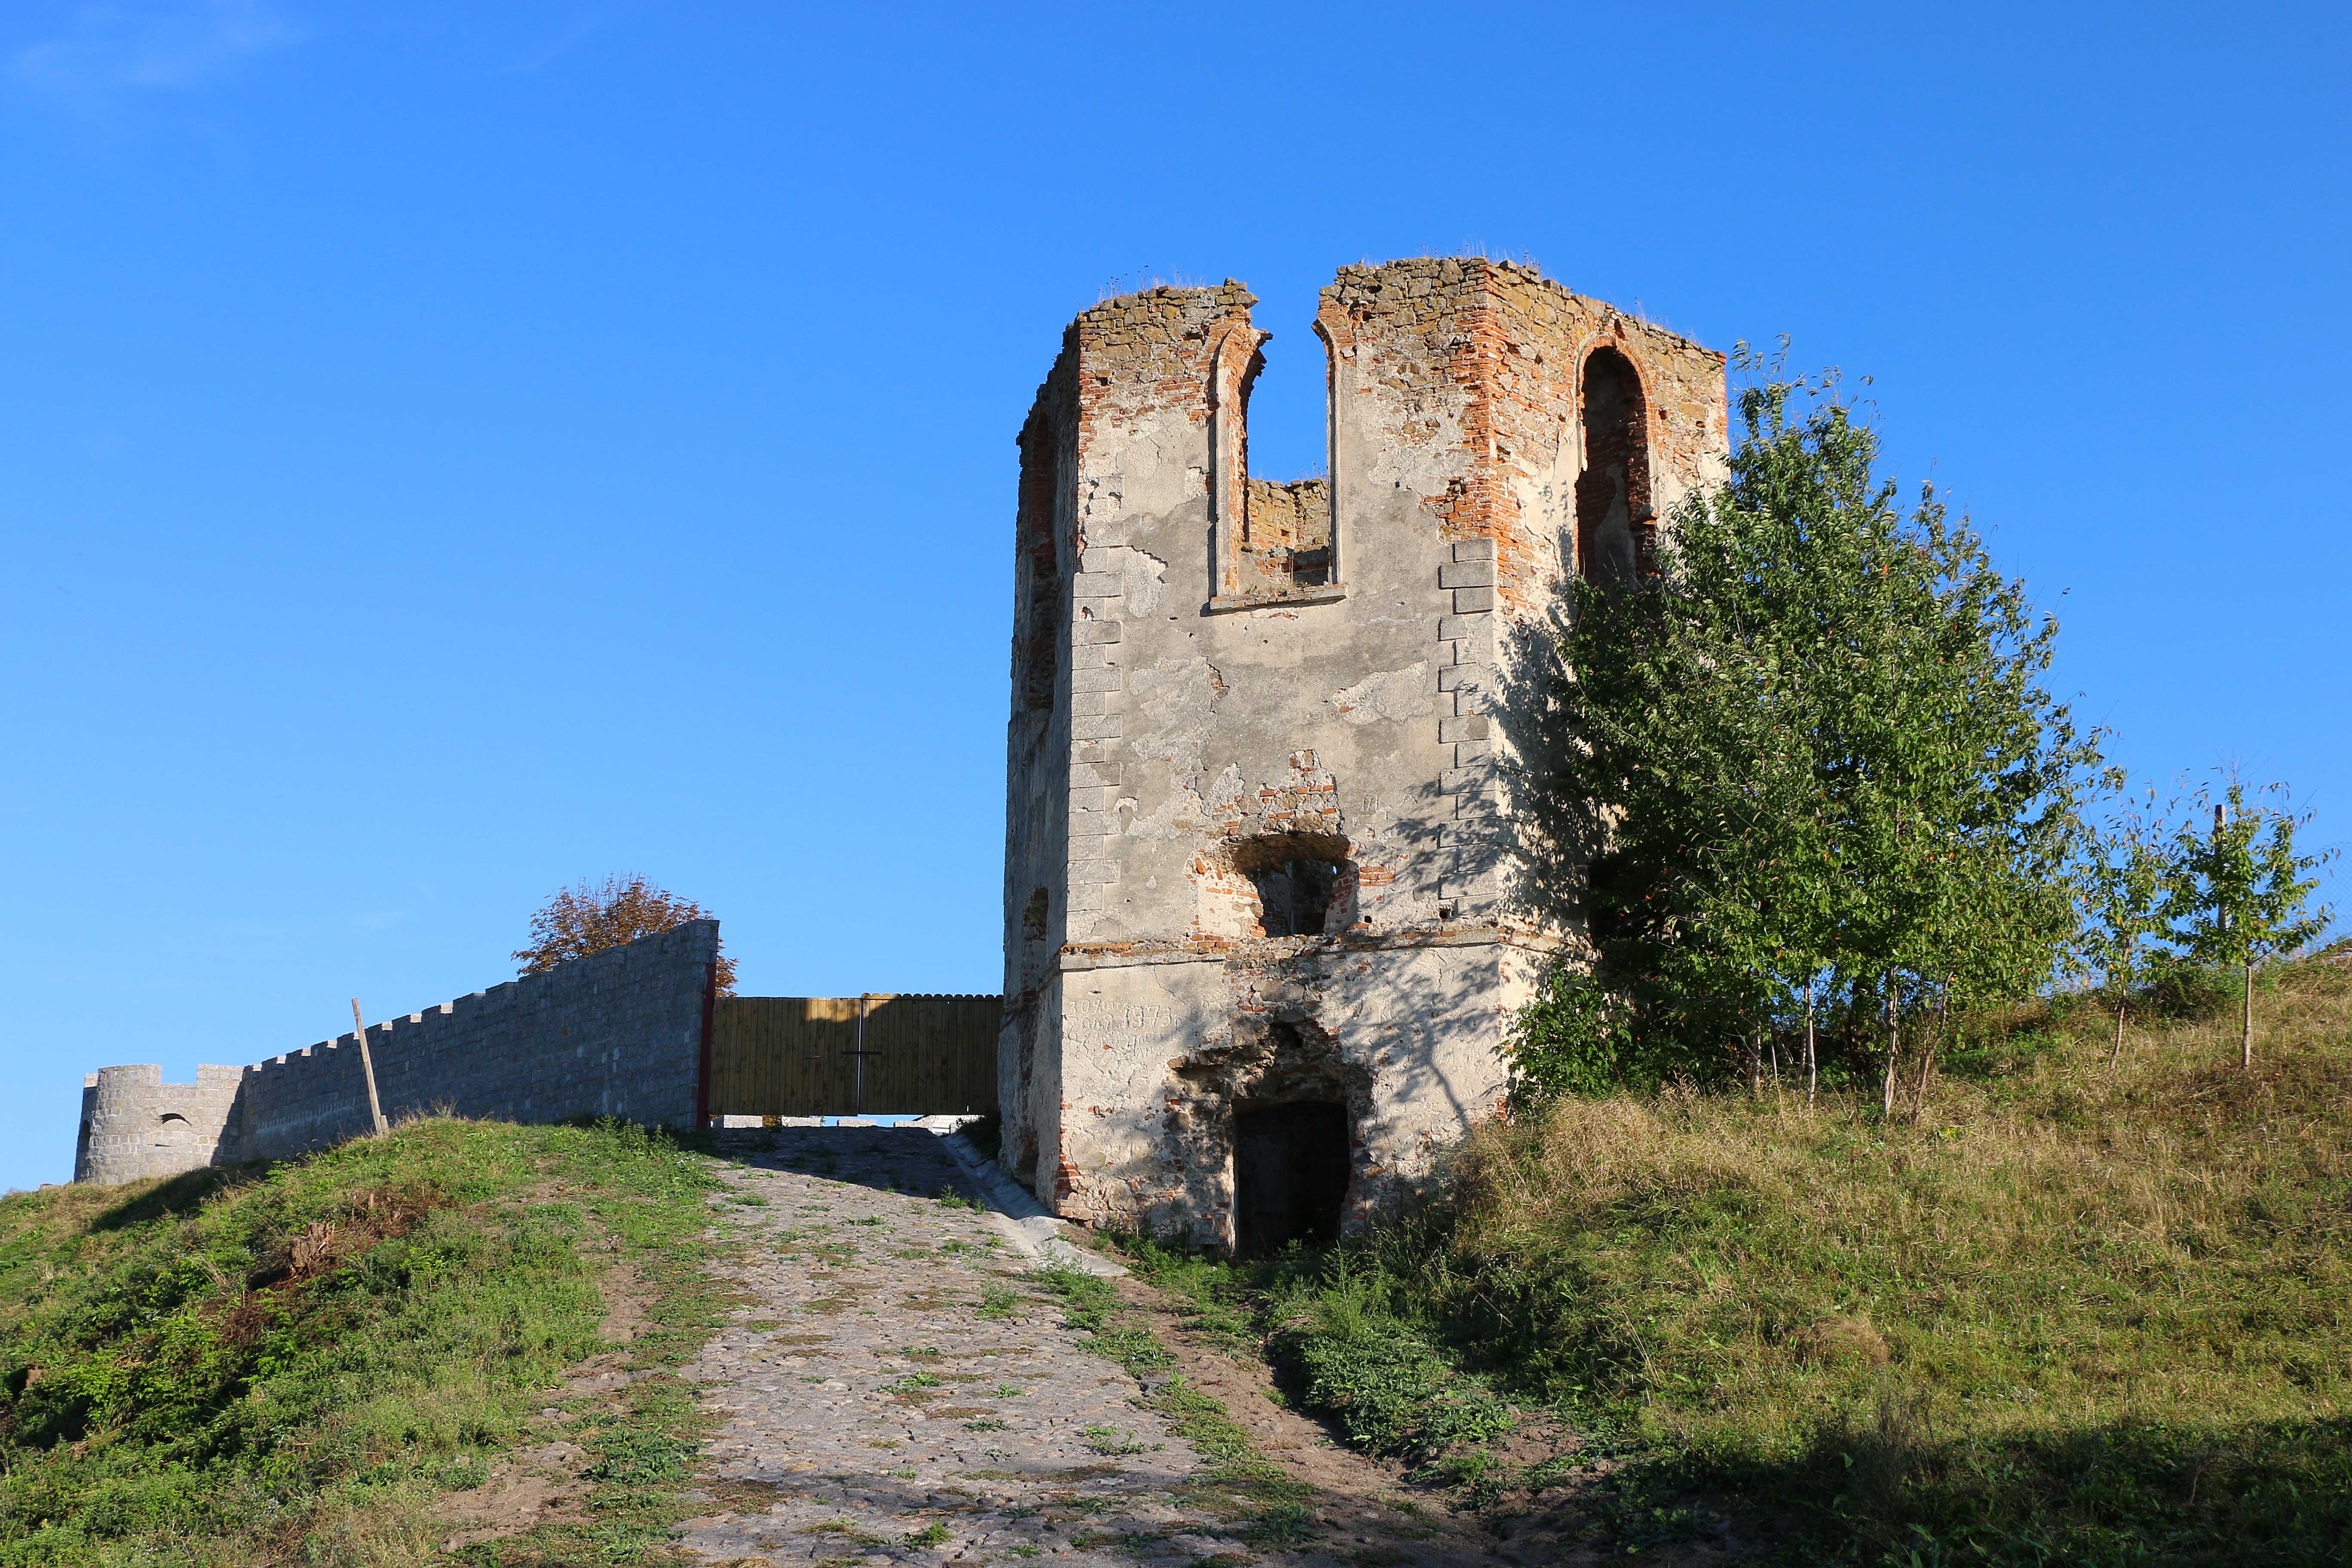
[{"x": 853, "y": 1056}]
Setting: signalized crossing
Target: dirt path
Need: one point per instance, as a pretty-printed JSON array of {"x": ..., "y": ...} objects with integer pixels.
[{"x": 894, "y": 1392}]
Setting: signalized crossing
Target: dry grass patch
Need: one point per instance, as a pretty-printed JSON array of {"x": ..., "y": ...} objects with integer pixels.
[
  {"x": 2065, "y": 1312},
  {"x": 2056, "y": 1307}
]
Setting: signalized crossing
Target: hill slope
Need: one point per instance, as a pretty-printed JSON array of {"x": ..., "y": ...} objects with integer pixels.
[
  {"x": 229, "y": 1364},
  {"x": 2068, "y": 1315}
]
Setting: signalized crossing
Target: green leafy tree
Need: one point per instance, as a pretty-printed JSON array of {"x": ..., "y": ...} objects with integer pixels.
[
  {"x": 2125, "y": 885},
  {"x": 1577, "y": 1038},
  {"x": 1813, "y": 752},
  {"x": 594, "y": 916},
  {"x": 2237, "y": 891}
]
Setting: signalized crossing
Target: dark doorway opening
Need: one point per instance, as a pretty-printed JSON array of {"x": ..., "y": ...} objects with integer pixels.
[{"x": 1291, "y": 1175}]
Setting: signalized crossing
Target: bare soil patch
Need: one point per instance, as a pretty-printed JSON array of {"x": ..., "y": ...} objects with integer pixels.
[{"x": 533, "y": 1486}]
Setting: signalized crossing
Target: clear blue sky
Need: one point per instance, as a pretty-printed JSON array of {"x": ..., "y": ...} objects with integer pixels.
[{"x": 448, "y": 450}]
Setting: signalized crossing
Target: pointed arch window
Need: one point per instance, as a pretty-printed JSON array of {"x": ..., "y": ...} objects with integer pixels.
[{"x": 1616, "y": 526}]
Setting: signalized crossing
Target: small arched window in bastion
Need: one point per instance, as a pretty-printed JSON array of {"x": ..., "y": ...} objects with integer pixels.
[
  {"x": 1616, "y": 525},
  {"x": 1299, "y": 876}
]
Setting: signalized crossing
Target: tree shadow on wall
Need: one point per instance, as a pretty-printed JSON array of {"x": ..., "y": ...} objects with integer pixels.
[
  {"x": 1419, "y": 1017},
  {"x": 1512, "y": 855},
  {"x": 1550, "y": 838}
]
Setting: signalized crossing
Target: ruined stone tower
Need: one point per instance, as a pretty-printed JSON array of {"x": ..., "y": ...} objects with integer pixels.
[{"x": 1270, "y": 902}]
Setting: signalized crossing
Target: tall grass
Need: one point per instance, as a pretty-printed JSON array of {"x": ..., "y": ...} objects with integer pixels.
[{"x": 2067, "y": 1315}]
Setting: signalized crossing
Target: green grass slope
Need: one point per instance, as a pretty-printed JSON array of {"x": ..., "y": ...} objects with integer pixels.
[
  {"x": 292, "y": 1363},
  {"x": 2068, "y": 1315}
]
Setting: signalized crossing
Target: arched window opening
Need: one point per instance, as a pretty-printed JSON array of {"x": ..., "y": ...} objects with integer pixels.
[
  {"x": 1297, "y": 877},
  {"x": 170, "y": 1117},
  {"x": 1615, "y": 524}
]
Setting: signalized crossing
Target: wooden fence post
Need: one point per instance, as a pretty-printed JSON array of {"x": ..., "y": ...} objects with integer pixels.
[{"x": 367, "y": 1068}]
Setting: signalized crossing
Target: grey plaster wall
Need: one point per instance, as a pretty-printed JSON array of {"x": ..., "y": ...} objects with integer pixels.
[
  {"x": 1182, "y": 711},
  {"x": 618, "y": 1033},
  {"x": 1156, "y": 1055}
]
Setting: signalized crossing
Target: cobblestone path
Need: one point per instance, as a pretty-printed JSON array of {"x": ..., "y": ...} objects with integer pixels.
[{"x": 894, "y": 1391}]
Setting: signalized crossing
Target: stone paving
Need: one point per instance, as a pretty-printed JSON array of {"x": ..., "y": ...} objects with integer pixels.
[{"x": 894, "y": 1391}]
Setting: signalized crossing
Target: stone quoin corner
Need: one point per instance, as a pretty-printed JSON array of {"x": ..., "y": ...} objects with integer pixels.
[{"x": 1270, "y": 900}]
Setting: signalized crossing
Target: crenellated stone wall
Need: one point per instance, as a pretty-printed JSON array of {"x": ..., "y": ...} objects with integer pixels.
[{"x": 619, "y": 1032}]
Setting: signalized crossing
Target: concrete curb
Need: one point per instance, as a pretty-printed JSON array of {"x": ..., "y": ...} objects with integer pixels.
[{"x": 1022, "y": 1219}]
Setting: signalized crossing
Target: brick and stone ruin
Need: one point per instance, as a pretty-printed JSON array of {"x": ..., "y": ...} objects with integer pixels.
[{"x": 1271, "y": 899}]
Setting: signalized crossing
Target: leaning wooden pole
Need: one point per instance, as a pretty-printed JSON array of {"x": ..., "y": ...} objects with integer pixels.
[{"x": 367, "y": 1068}]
